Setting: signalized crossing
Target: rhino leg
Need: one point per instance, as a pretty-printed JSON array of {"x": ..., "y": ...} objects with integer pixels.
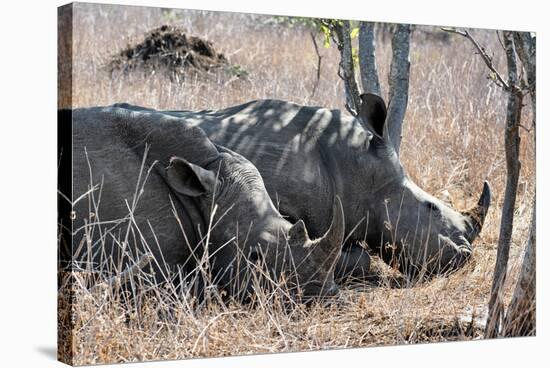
[{"x": 354, "y": 263}]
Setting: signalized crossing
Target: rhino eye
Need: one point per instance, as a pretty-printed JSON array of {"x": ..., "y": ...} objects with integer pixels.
[{"x": 431, "y": 206}]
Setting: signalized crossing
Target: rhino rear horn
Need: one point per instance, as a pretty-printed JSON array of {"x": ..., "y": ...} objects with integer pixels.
[
  {"x": 334, "y": 237},
  {"x": 298, "y": 232},
  {"x": 373, "y": 112}
]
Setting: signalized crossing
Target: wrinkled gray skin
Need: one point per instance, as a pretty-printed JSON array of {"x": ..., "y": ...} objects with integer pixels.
[
  {"x": 194, "y": 174},
  {"x": 309, "y": 155}
]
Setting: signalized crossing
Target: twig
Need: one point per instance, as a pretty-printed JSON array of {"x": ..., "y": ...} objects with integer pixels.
[
  {"x": 126, "y": 275},
  {"x": 319, "y": 59},
  {"x": 486, "y": 58},
  {"x": 528, "y": 130},
  {"x": 210, "y": 323},
  {"x": 500, "y": 41}
]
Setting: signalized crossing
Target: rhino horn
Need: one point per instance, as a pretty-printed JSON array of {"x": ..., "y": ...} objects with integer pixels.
[
  {"x": 477, "y": 213},
  {"x": 334, "y": 237},
  {"x": 298, "y": 232}
]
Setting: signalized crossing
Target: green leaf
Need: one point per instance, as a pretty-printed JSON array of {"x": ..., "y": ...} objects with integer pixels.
[
  {"x": 327, "y": 41},
  {"x": 326, "y": 33},
  {"x": 354, "y": 32}
]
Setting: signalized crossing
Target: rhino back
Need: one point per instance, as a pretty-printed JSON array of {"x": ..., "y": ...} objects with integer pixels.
[
  {"x": 305, "y": 154},
  {"x": 297, "y": 149}
]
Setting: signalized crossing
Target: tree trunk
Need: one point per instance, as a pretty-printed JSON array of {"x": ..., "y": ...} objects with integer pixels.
[
  {"x": 511, "y": 143},
  {"x": 367, "y": 59},
  {"x": 526, "y": 49},
  {"x": 399, "y": 84},
  {"x": 521, "y": 315},
  {"x": 347, "y": 69}
]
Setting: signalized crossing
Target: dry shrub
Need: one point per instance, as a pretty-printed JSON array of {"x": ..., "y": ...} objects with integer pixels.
[{"x": 453, "y": 140}]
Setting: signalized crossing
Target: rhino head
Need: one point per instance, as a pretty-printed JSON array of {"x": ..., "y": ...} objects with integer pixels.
[
  {"x": 249, "y": 232},
  {"x": 410, "y": 228}
]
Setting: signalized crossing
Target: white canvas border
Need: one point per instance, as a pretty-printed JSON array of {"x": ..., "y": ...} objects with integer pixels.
[{"x": 28, "y": 181}]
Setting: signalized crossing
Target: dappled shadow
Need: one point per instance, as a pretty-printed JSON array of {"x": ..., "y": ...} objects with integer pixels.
[
  {"x": 271, "y": 127},
  {"x": 305, "y": 145}
]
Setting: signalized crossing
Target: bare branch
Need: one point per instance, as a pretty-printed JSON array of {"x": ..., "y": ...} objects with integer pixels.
[
  {"x": 500, "y": 41},
  {"x": 399, "y": 83},
  {"x": 319, "y": 59},
  {"x": 367, "y": 59},
  {"x": 528, "y": 130},
  {"x": 496, "y": 77},
  {"x": 126, "y": 275}
]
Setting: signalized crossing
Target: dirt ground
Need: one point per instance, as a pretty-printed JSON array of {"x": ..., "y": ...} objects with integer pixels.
[{"x": 170, "y": 50}]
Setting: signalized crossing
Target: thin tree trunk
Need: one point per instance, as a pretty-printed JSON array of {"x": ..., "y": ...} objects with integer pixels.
[
  {"x": 367, "y": 59},
  {"x": 511, "y": 143},
  {"x": 347, "y": 69},
  {"x": 526, "y": 50},
  {"x": 521, "y": 315},
  {"x": 399, "y": 84}
]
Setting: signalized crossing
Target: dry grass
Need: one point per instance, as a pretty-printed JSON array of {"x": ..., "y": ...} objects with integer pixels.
[{"x": 452, "y": 141}]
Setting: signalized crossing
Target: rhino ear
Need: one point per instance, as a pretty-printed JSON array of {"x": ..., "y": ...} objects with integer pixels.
[
  {"x": 189, "y": 179},
  {"x": 298, "y": 232},
  {"x": 373, "y": 112}
]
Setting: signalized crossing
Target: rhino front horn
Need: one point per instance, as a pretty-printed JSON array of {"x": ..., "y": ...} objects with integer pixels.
[
  {"x": 334, "y": 237},
  {"x": 479, "y": 211}
]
